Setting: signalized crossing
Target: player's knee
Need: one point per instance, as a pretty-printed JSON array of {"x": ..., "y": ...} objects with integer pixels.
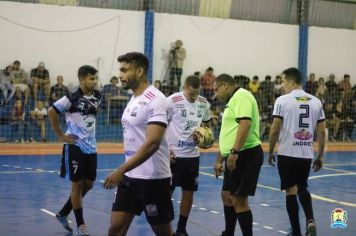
[
  {"x": 302, "y": 190},
  {"x": 226, "y": 198}
]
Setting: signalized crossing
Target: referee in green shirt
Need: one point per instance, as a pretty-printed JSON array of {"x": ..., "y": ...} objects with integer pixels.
[{"x": 240, "y": 148}]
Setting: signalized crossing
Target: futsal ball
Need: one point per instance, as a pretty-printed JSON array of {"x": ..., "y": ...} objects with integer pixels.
[{"x": 203, "y": 137}]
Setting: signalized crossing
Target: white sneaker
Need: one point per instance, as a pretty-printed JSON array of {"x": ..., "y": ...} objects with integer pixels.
[{"x": 82, "y": 230}]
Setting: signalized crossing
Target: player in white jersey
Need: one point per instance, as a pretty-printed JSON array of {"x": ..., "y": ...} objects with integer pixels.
[
  {"x": 186, "y": 112},
  {"x": 143, "y": 181},
  {"x": 79, "y": 161},
  {"x": 296, "y": 117}
]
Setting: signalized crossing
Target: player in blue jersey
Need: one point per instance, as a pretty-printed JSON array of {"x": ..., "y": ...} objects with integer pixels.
[{"x": 79, "y": 161}]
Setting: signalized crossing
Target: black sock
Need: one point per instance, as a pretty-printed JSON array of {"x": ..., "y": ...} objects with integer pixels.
[
  {"x": 79, "y": 216},
  {"x": 292, "y": 209},
  {"x": 306, "y": 202},
  {"x": 230, "y": 220},
  {"x": 67, "y": 208},
  {"x": 245, "y": 221},
  {"x": 182, "y": 223}
]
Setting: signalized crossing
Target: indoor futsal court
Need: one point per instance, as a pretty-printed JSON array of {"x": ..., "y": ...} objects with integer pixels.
[{"x": 32, "y": 191}]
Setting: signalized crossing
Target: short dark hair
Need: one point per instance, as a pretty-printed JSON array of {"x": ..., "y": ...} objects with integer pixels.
[
  {"x": 210, "y": 68},
  {"x": 294, "y": 74},
  {"x": 85, "y": 70},
  {"x": 136, "y": 58},
  {"x": 346, "y": 76},
  {"x": 17, "y": 62},
  {"x": 192, "y": 81},
  {"x": 114, "y": 78},
  {"x": 225, "y": 78}
]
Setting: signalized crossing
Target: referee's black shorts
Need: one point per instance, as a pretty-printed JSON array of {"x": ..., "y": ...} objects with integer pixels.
[
  {"x": 293, "y": 171},
  {"x": 243, "y": 180}
]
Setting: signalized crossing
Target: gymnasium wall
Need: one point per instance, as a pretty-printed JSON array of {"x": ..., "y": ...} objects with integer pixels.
[{"x": 67, "y": 37}]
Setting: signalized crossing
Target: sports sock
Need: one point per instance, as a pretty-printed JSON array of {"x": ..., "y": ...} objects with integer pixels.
[
  {"x": 79, "y": 216},
  {"x": 245, "y": 221},
  {"x": 182, "y": 223},
  {"x": 292, "y": 209},
  {"x": 306, "y": 202},
  {"x": 230, "y": 220},
  {"x": 67, "y": 208}
]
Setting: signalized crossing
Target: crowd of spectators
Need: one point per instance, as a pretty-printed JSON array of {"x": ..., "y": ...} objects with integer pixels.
[
  {"x": 338, "y": 98},
  {"x": 26, "y": 96},
  {"x": 24, "y": 100}
]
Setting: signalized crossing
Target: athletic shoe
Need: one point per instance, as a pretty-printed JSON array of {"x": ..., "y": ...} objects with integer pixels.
[
  {"x": 64, "y": 221},
  {"x": 311, "y": 228},
  {"x": 82, "y": 230}
]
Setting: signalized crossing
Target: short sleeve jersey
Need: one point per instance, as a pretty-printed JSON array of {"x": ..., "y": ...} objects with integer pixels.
[
  {"x": 80, "y": 114},
  {"x": 242, "y": 105},
  {"x": 183, "y": 118},
  {"x": 148, "y": 108},
  {"x": 300, "y": 112}
]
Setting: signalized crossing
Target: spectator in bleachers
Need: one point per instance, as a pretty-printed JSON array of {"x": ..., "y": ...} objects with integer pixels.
[
  {"x": 254, "y": 85},
  {"x": 207, "y": 81},
  {"x": 345, "y": 85},
  {"x": 39, "y": 116},
  {"x": 331, "y": 84},
  {"x": 40, "y": 81},
  {"x": 311, "y": 85},
  {"x": 264, "y": 107},
  {"x": 343, "y": 113},
  {"x": 332, "y": 121},
  {"x": 157, "y": 84},
  {"x": 321, "y": 90},
  {"x": 20, "y": 124},
  {"x": 58, "y": 90},
  {"x": 116, "y": 106},
  {"x": 267, "y": 88},
  {"x": 20, "y": 81},
  {"x": 177, "y": 56},
  {"x": 6, "y": 87},
  {"x": 278, "y": 87}
]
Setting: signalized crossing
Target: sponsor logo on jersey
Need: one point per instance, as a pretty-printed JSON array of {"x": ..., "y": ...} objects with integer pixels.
[
  {"x": 143, "y": 103},
  {"x": 190, "y": 124},
  {"x": 303, "y": 99},
  {"x": 200, "y": 113},
  {"x": 151, "y": 210},
  {"x": 129, "y": 153},
  {"x": 182, "y": 144},
  {"x": 303, "y": 135}
]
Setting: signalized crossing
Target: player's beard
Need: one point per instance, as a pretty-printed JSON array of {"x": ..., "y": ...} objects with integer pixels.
[{"x": 131, "y": 84}]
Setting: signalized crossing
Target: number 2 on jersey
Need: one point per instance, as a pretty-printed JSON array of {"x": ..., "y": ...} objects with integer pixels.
[{"x": 304, "y": 114}]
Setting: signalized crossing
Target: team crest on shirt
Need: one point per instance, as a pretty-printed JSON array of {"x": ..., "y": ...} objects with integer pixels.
[
  {"x": 338, "y": 218},
  {"x": 151, "y": 210},
  {"x": 134, "y": 112},
  {"x": 303, "y": 99}
]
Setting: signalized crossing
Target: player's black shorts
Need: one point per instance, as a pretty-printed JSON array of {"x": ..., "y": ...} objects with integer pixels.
[
  {"x": 77, "y": 165},
  {"x": 293, "y": 171},
  {"x": 243, "y": 180},
  {"x": 185, "y": 172},
  {"x": 149, "y": 195}
]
